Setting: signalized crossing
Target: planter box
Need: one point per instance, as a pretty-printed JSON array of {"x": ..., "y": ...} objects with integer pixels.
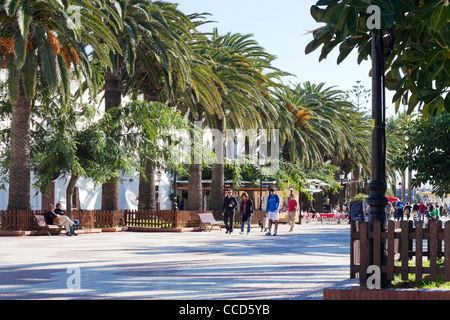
[{"x": 353, "y": 291}]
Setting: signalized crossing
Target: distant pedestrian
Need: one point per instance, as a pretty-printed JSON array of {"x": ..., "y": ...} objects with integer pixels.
[
  {"x": 246, "y": 212},
  {"x": 422, "y": 209},
  {"x": 399, "y": 210},
  {"x": 415, "y": 207},
  {"x": 388, "y": 211},
  {"x": 292, "y": 204},
  {"x": 228, "y": 210},
  {"x": 272, "y": 210},
  {"x": 435, "y": 213},
  {"x": 407, "y": 210}
]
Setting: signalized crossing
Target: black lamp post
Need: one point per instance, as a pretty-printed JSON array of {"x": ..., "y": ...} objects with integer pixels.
[
  {"x": 261, "y": 165},
  {"x": 377, "y": 187},
  {"x": 341, "y": 179},
  {"x": 175, "y": 203},
  {"x": 158, "y": 179}
]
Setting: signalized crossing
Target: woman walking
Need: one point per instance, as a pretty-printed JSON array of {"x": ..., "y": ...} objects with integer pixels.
[
  {"x": 291, "y": 212},
  {"x": 246, "y": 212}
]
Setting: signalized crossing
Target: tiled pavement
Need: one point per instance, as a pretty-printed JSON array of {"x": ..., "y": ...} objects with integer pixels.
[{"x": 176, "y": 266}]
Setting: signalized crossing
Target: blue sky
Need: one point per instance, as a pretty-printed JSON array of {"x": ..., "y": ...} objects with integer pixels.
[{"x": 281, "y": 28}]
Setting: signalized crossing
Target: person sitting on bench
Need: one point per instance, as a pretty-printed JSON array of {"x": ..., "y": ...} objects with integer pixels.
[
  {"x": 52, "y": 218},
  {"x": 61, "y": 212}
]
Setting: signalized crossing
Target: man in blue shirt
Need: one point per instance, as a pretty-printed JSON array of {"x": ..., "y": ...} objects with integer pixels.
[
  {"x": 272, "y": 208},
  {"x": 399, "y": 213}
]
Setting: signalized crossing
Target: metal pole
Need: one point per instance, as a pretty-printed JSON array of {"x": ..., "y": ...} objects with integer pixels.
[
  {"x": 175, "y": 204},
  {"x": 300, "y": 208},
  {"x": 377, "y": 187},
  {"x": 260, "y": 188}
]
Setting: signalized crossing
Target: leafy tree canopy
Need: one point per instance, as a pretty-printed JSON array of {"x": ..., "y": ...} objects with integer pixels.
[
  {"x": 427, "y": 152},
  {"x": 416, "y": 39}
]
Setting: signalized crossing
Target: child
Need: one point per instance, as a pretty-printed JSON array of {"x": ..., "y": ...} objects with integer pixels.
[{"x": 415, "y": 218}]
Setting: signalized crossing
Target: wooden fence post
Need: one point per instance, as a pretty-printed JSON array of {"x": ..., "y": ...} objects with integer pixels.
[
  {"x": 447, "y": 252},
  {"x": 404, "y": 253},
  {"x": 433, "y": 250},
  {"x": 363, "y": 253},
  {"x": 353, "y": 248},
  {"x": 419, "y": 250},
  {"x": 391, "y": 251}
]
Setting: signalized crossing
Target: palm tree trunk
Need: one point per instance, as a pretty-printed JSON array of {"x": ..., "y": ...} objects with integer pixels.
[
  {"x": 286, "y": 152},
  {"x": 410, "y": 199},
  {"x": 147, "y": 190},
  {"x": 218, "y": 180},
  {"x": 113, "y": 98},
  {"x": 394, "y": 186},
  {"x": 195, "y": 187},
  {"x": 403, "y": 189},
  {"x": 19, "y": 169},
  {"x": 354, "y": 183},
  {"x": 69, "y": 191}
]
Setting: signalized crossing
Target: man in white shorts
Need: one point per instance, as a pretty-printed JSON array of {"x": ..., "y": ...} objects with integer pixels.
[{"x": 272, "y": 208}]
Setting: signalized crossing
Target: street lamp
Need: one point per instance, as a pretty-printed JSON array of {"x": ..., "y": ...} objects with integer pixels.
[
  {"x": 341, "y": 179},
  {"x": 158, "y": 179},
  {"x": 261, "y": 160},
  {"x": 174, "y": 203},
  {"x": 377, "y": 187}
]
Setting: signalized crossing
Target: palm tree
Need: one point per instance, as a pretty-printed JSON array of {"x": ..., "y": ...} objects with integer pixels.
[
  {"x": 162, "y": 63},
  {"x": 239, "y": 63},
  {"x": 326, "y": 128},
  {"x": 321, "y": 126},
  {"x": 40, "y": 42},
  {"x": 395, "y": 142}
]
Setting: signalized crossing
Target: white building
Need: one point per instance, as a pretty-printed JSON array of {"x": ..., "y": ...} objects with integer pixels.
[{"x": 87, "y": 197}]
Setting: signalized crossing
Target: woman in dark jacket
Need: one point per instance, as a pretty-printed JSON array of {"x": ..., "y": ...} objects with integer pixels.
[{"x": 246, "y": 212}]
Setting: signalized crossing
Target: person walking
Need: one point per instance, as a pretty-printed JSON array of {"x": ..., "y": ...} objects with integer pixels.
[
  {"x": 435, "y": 213},
  {"x": 415, "y": 207},
  {"x": 388, "y": 210},
  {"x": 292, "y": 208},
  {"x": 399, "y": 210},
  {"x": 246, "y": 212},
  {"x": 407, "y": 210},
  {"x": 415, "y": 218},
  {"x": 422, "y": 209},
  {"x": 228, "y": 210},
  {"x": 272, "y": 210}
]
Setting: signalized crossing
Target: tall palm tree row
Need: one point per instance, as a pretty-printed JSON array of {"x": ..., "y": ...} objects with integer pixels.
[
  {"x": 151, "y": 48},
  {"x": 149, "y": 35},
  {"x": 244, "y": 70},
  {"x": 39, "y": 42},
  {"x": 326, "y": 128}
]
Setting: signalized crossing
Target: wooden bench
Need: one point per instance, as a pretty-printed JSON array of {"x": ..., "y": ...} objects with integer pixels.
[
  {"x": 208, "y": 219},
  {"x": 42, "y": 225}
]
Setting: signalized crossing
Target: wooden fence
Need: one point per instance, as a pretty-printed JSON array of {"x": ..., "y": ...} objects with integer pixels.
[
  {"x": 13, "y": 220},
  {"x": 150, "y": 219},
  {"x": 400, "y": 243}
]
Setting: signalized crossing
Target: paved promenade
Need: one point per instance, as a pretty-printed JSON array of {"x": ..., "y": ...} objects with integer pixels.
[{"x": 195, "y": 266}]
